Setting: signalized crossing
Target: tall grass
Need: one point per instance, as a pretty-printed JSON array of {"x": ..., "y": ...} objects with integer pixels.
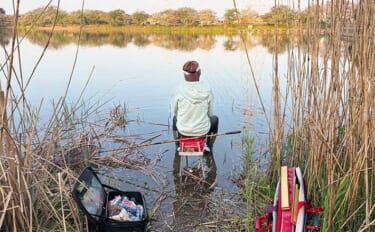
[
  {"x": 35, "y": 188},
  {"x": 256, "y": 189},
  {"x": 331, "y": 90}
]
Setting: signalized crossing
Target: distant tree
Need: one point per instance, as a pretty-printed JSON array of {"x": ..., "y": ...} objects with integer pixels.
[
  {"x": 140, "y": 17},
  {"x": 248, "y": 16},
  {"x": 43, "y": 17},
  {"x": 186, "y": 16},
  {"x": 170, "y": 18},
  {"x": 94, "y": 17},
  {"x": 280, "y": 15},
  {"x": 119, "y": 18},
  {"x": 47, "y": 16},
  {"x": 207, "y": 17},
  {"x": 302, "y": 16},
  {"x": 164, "y": 18},
  {"x": 61, "y": 18},
  {"x": 314, "y": 11},
  {"x": 73, "y": 18},
  {"x": 346, "y": 12},
  {"x": 230, "y": 16},
  {"x": 3, "y": 17},
  {"x": 155, "y": 19},
  {"x": 29, "y": 17}
]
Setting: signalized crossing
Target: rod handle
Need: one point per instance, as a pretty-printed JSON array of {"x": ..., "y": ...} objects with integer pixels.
[{"x": 233, "y": 132}]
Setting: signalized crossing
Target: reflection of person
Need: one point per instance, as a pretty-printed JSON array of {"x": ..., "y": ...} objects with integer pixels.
[
  {"x": 208, "y": 163},
  {"x": 190, "y": 203},
  {"x": 192, "y": 106}
]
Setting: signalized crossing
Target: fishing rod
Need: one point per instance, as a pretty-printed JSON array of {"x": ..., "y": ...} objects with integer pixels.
[{"x": 178, "y": 140}]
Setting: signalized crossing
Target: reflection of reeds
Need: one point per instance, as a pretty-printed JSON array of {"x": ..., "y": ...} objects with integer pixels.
[
  {"x": 332, "y": 119},
  {"x": 118, "y": 115}
]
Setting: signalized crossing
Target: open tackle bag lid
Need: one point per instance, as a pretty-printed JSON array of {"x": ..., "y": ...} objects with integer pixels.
[{"x": 90, "y": 195}]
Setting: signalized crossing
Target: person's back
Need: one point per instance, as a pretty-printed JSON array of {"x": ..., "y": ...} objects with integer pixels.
[
  {"x": 193, "y": 108},
  {"x": 192, "y": 105}
]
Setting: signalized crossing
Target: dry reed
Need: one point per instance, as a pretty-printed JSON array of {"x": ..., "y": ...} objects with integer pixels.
[
  {"x": 39, "y": 164},
  {"x": 331, "y": 97}
]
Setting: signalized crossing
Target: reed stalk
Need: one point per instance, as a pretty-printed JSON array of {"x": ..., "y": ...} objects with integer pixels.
[
  {"x": 40, "y": 161},
  {"x": 34, "y": 190},
  {"x": 331, "y": 86}
]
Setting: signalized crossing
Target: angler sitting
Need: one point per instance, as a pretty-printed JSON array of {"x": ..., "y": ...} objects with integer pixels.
[{"x": 192, "y": 107}]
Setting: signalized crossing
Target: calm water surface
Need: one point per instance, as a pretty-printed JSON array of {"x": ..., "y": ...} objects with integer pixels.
[{"x": 142, "y": 75}]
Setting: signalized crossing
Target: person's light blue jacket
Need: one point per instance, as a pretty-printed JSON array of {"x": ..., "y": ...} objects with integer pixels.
[{"x": 192, "y": 105}]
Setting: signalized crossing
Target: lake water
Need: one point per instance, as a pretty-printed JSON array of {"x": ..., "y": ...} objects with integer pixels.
[{"x": 141, "y": 72}]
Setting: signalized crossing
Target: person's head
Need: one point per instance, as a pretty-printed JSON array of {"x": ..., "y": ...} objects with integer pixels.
[{"x": 192, "y": 71}]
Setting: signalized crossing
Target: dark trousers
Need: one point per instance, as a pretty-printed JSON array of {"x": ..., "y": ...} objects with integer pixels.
[{"x": 213, "y": 129}]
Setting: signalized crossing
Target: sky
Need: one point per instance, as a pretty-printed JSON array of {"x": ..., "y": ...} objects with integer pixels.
[{"x": 152, "y": 6}]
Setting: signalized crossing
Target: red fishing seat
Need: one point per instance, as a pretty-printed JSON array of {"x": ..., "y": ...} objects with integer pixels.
[{"x": 191, "y": 146}]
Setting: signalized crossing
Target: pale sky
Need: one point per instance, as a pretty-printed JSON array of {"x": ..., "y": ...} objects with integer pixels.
[{"x": 152, "y": 6}]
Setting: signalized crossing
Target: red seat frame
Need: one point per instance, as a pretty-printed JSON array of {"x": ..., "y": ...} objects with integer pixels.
[{"x": 192, "y": 143}]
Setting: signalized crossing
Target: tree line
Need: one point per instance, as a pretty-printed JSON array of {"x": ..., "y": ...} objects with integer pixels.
[
  {"x": 4, "y": 19},
  {"x": 184, "y": 16}
]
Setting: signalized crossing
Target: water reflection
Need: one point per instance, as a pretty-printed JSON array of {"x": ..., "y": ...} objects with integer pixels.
[
  {"x": 280, "y": 46},
  {"x": 181, "y": 42},
  {"x": 4, "y": 36},
  {"x": 230, "y": 44},
  {"x": 190, "y": 206},
  {"x": 133, "y": 72}
]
